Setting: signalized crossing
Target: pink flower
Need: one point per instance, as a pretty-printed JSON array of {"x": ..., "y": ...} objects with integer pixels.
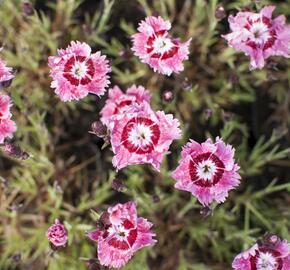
[
  {"x": 142, "y": 136},
  {"x": 7, "y": 126},
  {"x": 259, "y": 36},
  {"x": 207, "y": 170},
  {"x": 5, "y": 105},
  {"x": 118, "y": 102},
  {"x": 57, "y": 234},
  {"x": 77, "y": 72},
  {"x": 264, "y": 256},
  {"x": 155, "y": 47},
  {"x": 5, "y": 72},
  {"x": 122, "y": 235}
]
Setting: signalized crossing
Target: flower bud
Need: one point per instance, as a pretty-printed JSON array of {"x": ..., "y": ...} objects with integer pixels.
[
  {"x": 220, "y": 13},
  {"x": 99, "y": 129},
  {"x": 57, "y": 235},
  {"x": 167, "y": 96},
  {"x": 27, "y": 9},
  {"x": 15, "y": 151},
  {"x": 118, "y": 185}
]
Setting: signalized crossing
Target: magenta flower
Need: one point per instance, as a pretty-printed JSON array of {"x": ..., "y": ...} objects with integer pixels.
[
  {"x": 259, "y": 36},
  {"x": 5, "y": 72},
  {"x": 155, "y": 47},
  {"x": 142, "y": 136},
  {"x": 264, "y": 256},
  {"x": 57, "y": 234},
  {"x": 207, "y": 170},
  {"x": 76, "y": 72},
  {"x": 7, "y": 126},
  {"x": 122, "y": 235},
  {"x": 118, "y": 102}
]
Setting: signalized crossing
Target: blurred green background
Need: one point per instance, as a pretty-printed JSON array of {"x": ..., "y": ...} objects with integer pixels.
[{"x": 69, "y": 175}]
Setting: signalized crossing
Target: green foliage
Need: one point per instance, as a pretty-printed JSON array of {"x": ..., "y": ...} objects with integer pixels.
[{"x": 69, "y": 176}]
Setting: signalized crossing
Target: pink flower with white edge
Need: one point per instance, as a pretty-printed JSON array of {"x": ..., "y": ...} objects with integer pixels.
[
  {"x": 259, "y": 36},
  {"x": 264, "y": 256},
  {"x": 5, "y": 72},
  {"x": 207, "y": 170},
  {"x": 76, "y": 72},
  {"x": 118, "y": 101},
  {"x": 7, "y": 126},
  {"x": 123, "y": 234},
  {"x": 57, "y": 234},
  {"x": 142, "y": 136},
  {"x": 155, "y": 47}
]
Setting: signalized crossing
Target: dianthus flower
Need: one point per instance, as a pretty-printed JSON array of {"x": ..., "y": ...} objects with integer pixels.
[
  {"x": 207, "y": 170},
  {"x": 76, "y": 72},
  {"x": 122, "y": 235},
  {"x": 142, "y": 136},
  {"x": 118, "y": 101},
  {"x": 265, "y": 256},
  {"x": 7, "y": 126},
  {"x": 259, "y": 36},
  {"x": 155, "y": 47},
  {"x": 57, "y": 234},
  {"x": 5, "y": 72}
]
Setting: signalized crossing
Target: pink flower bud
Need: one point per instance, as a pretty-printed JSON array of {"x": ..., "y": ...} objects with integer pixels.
[{"x": 57, "y": 234}]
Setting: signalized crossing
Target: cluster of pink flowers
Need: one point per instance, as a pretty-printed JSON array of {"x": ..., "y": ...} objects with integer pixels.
[
  {"x": 259, "y": 36},
  {"x": 7, "y": 126},
  {"x": 121, "y": 235},
  {"x": 138, "y": 134}
]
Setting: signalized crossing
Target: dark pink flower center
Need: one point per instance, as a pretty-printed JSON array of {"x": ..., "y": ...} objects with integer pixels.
[
  {"x": 206, "y": 169},
  {"x": 266, "y": 259},
  {"x": 262, "y": 33},
  {"x": 79, "y": 70},
  {"x": 123, "y": 236},
  {"x": 161, "y": 45},
  {"x": 140, "y": 135}
]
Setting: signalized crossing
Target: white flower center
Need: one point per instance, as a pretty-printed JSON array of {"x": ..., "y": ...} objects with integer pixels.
[
  {"x": 260, "y": 33},
  {"x": 119, "y": 232},
  {"x": 206, "y": 169},
  {"x": 266, "y": 261},
  {"x": 79, "y": 69},
  {"x": 162, "y": 45},
  {"x": 140, "y": 135}
]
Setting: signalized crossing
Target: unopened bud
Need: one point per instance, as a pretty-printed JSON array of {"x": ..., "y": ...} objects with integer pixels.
[
  {"x": 16, "y": 257},
  {"x": 220, "y": 13},
  {"x": 186, "y": 84},
  {"x": 206, "y": 211},
  {"x": 15, "y": 151},
  {"x": 99, "y": 129},
  {"x": 103, "y": 220},
  {"x": 207, "y": 114},
  {"x": 167, "y": 96},
  {"x": 93, "y": 264},
  {"x": 27, "y": 9},
  {"x": 155, "y": 198},
  {"x": 5, "y": 84},
  {"x": 118, "y": 185},
  {"x": 125, "y": 53}
]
